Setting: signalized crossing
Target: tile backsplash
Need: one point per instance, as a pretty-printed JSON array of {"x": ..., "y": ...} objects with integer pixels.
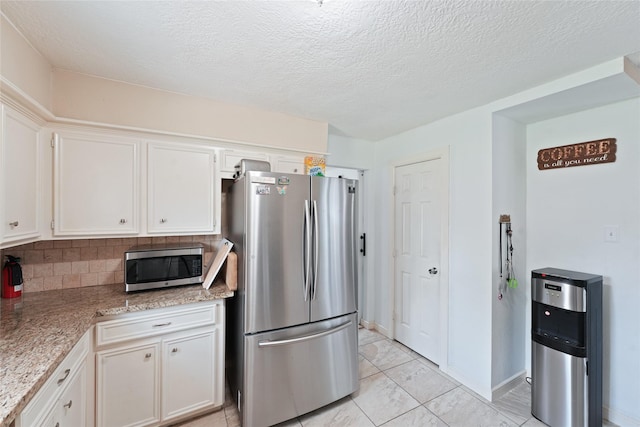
[{"x": 61, "y": 264}]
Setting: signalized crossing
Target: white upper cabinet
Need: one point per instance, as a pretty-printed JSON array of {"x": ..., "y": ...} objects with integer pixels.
[
  {"x": 230, "y": 158},
  {"x": 181, "y": 184},
  {"x": 288, "y": 164},
  {"x": 20, "y": 189},
  {"x": 96, "y": 182}
]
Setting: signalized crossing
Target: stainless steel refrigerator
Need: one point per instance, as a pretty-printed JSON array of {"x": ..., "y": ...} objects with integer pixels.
[{"x": 292, "y": 343}]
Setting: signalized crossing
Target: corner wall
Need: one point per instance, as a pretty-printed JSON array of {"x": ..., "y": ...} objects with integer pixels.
[
  {"x": 567, "y": 210},
  {"x": 509, "y": 197}
]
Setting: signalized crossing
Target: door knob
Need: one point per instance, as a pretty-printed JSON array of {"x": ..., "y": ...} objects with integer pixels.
[{"x": 433, "y": 270}]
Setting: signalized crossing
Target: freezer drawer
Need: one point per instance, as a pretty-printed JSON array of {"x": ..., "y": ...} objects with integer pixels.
[{"x": 296, "y": 370}]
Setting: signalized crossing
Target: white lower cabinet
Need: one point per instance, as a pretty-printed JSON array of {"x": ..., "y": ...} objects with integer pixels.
[
  {"x": 128, "y": 386},
  {"x": 171, "y": 368},
  {"x": 188, "y": 373},
  {"x": 66, "y": 398}
]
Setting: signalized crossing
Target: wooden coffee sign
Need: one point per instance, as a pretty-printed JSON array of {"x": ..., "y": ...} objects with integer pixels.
[{"x": 582, "y": 154}]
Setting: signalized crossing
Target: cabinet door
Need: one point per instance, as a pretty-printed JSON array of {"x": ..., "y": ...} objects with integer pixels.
[
  {"x": 230, "y": 158},
  {"x": 191, "y": 379},
  {"x": 72, "y": 405},
  {"x": 95, "y": 185},
  {"x": 19, "y": 177},
  {"x": 128, "y": 387},
  {"x": 286, "y": 164},
  {"x": 181, "y": 185}
]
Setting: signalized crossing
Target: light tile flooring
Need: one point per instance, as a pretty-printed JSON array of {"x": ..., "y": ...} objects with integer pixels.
[{"x": 399, "y": 388}]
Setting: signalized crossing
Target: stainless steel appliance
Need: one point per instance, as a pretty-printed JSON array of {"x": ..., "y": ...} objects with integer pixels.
[
  {"x": 292, "y": 325},
  {"x": 162, "y": 266},
  {"x": 566, "y": 348}
]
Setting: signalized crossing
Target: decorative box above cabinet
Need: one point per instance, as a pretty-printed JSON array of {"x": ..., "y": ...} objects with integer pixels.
[
  {"x": 20, "y": 187},
  {"x": 96, "y": 185},
  {"x": 181, "y": 182}
]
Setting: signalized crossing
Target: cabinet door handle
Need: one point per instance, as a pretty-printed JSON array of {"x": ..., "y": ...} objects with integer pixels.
[
  {"x": 66, "y": 374},
  {"x": 159, "y": 325},
  {"x": 163, "y": 220},
  {"x": 174, "y": 350},
  {"x": 123, "y": 221},
  {"x": 147, "y": 356},
  {"x": 14, "y": 224},
  {"x": 68, "y": 405}
]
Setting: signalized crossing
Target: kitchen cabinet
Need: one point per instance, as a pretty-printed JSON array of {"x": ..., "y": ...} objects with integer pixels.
[
  {"x": 20, "y": 189},
  {"x": 96, "y": 181},
  {"x": 128, "y": 386},
  {"x": 66, "y": 398},
  {"x": 230, "y": 158},
  {"x": 288, "y": 164},
  {"x": 181, "y": 182},
  {"x": 189, "y": 372},
  {"x": 160, "y": 366}
]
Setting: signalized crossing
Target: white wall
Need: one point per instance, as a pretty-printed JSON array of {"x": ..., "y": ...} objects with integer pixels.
[
  {"x": 509, "y": 197},
  {"x": 567, "y": 210},
  {"x": 468, "y": 136},
  {"x": 348, "y": 152}
]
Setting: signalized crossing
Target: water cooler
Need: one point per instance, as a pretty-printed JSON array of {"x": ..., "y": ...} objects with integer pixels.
[{"x": 566, "y": 348}]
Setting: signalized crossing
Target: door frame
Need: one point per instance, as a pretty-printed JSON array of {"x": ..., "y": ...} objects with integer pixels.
[{"x": 442, "y": 154}]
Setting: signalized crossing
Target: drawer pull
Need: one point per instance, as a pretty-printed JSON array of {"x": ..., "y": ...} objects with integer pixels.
[
  {"x": 66, "y": 374},
  {"x": 174, "y": 350},
  {"x": 68, "y": 405},
  {"x": 147, "y": 356},
  {"x": 159, "y": 325},
  {"x": 14, "y": 224}
]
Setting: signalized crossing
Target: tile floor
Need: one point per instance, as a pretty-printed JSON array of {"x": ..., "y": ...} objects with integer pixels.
[{"x": 399, "y": 388}]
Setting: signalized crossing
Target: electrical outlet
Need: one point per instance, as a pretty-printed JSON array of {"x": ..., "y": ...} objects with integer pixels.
[{"x": 610, "y": 233}]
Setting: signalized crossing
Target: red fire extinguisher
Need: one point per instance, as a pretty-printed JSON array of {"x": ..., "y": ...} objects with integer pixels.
[{"x": 11, "y": 278}]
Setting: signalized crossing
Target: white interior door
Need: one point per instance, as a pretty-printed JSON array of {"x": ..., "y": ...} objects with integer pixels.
[{"x": 418, "y": 199}]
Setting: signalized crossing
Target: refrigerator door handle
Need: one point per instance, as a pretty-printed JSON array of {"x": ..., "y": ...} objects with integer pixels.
[
  {"x": 307, "y": 250},
  {"x": 315, "y": 249},
  {"x": 303, "y": 338}
]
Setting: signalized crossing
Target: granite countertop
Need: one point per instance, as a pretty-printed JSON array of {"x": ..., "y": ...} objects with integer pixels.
[{"x": 38, "y": 330}]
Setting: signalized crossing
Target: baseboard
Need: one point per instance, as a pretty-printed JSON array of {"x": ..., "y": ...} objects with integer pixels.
[
  {"x": 468, "y": 383},
  {"x": 507, "y": 385},
  {"x": 384, "y": 331},
  {"x": 366, "y": 324},
  {"x": 618, "y": 418}
]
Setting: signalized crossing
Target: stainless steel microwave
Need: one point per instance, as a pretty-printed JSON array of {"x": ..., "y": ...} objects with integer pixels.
[{"x": 162, "y": 266}]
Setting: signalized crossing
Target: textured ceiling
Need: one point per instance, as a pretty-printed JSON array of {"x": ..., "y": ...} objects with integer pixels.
[{"x": 370, "y": 69}]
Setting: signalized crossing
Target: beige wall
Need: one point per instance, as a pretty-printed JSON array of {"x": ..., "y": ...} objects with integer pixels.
[
  {"x": 83, "y": 97},
  {"x": 23, "y": 66}
]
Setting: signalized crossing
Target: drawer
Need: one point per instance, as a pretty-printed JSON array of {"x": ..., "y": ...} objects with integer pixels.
[
  {"x": 155, "y": 322},
  {"x": 42, "y": 403}
]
